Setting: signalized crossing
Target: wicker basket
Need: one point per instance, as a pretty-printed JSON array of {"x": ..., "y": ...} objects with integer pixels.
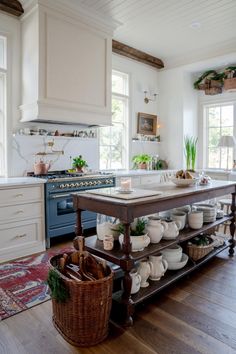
[
  {"x": 197, "y": 252},
  {"x": 230, "y": 84},
  {"x": 213, "y": 87},
  {"x": 83, "y": 319}
]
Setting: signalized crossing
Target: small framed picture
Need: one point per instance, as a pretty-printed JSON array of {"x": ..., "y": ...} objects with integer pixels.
[{"x": 147, "y": 124}]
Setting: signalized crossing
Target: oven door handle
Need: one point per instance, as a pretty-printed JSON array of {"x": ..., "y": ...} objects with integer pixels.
[{"x": 60, "y": 196}]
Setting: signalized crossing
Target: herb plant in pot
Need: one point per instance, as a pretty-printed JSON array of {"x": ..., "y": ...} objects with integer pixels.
[
  {"x": 190, "y": 149},
  {"x": 141, "y": 161},
  {"x": 79, "y": 163},
  {"x": 138, "y": 236}
]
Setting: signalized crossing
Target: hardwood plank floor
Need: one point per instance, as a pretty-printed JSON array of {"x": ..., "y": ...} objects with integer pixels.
[{"x": 197, "y": 315}]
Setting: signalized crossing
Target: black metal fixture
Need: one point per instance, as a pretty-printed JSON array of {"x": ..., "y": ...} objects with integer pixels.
[{"x": 148, "y": 99}]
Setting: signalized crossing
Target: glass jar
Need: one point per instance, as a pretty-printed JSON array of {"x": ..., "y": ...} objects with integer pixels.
[{"x": 107, "y": 225}]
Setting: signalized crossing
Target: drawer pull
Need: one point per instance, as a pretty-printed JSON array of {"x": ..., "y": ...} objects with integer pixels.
[
  {"x": 20, "y": 236},
  {"x": 19, "y": 195},
  {"x": 20, "y": 211}
]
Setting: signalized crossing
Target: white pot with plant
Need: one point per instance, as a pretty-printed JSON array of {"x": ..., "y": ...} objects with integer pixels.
[
  {"x": 190, "y": 149},
  {"x": 138, "y": 235}
]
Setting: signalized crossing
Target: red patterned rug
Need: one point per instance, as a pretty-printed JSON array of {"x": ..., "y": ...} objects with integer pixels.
[{"x": 23, "y": 283}]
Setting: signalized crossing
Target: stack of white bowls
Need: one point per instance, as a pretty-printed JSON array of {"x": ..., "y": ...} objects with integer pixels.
[
  {"x": 175, "y": 257},
  {"x": 209, "y": 212}
]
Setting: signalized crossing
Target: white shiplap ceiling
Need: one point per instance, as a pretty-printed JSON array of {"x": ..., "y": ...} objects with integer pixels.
[{"x": 176, "y": 31}]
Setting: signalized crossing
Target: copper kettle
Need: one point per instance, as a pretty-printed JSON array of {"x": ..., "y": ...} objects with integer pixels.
[{"x": 41, "y": 167}]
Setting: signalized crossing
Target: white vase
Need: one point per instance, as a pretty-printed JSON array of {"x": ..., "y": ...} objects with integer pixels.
[
  {"x": 136, "y": 281},
  {"x": 144, "y": 271},
  {"x": 158, "y": 266},
  {"x": 156, "y": 228}
]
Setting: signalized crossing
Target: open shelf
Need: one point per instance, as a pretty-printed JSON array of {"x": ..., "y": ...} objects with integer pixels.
[
  {"x": 95, "y": 246},
  {"x": 170, "y": 277}
]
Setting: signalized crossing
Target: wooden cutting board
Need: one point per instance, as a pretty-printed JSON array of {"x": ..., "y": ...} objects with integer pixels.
[{"x": 114, "y": 193}]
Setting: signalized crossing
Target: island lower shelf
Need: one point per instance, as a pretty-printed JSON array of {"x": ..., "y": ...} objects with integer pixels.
[
  {"x": 169, "y": 278},
  {"x": 95, "y": 246}
]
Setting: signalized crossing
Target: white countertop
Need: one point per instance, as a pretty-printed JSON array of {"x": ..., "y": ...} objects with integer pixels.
[
  {"x": 121, "y": 173},
  {"x": 19, "y": 181}
]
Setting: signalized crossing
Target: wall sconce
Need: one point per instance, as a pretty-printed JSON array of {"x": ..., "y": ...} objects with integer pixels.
[{"x": 148, "y": 99}]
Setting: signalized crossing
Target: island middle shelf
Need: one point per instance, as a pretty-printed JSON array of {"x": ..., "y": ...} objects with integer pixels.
[{"x": 95, "y": 246}]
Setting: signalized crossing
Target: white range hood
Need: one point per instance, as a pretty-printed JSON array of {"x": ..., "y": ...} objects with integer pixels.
[{"x": 66, "y": 64}]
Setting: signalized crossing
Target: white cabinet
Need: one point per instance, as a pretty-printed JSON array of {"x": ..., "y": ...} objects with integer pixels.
[
  {"x": 66, "y": 66},
  {"x": 152, "y": 179},
  {"x": 21, "y": 221}
]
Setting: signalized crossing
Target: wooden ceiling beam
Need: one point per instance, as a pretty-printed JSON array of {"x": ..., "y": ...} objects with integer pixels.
[
  {"x": 132, "y": 53},
  {"x": 12, "y": 7}
]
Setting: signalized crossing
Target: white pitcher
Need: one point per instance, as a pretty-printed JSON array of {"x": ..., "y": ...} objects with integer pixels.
[
  {"x": 156, "y": 228},
  {"x": 136, "y": 281},
  {"x": 172, "y": 230},
  {"x": 144, "y": 271},
  {"x": 158, "y": 266}
]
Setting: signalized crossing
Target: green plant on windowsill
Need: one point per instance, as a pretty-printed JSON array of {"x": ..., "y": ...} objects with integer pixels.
[{"x": 141, "y": 161}]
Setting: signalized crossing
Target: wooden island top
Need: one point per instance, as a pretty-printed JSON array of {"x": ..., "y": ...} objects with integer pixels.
[{"x": 107, "y": 201}]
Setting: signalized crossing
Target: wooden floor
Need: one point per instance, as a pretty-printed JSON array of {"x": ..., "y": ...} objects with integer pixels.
[{"x": 198, "y": 315}]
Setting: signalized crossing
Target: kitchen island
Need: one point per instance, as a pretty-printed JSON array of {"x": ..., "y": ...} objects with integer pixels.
[{"x": 107, "y": 202}]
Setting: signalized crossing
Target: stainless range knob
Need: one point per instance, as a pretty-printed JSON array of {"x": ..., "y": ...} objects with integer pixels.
[
  {"x": 72, "y": 185},
  {"x": 62, "y": 186}
]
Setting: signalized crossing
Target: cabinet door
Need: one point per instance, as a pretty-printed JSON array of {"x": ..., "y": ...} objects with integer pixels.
[
  {"x": 150, "y": 179},
  {"x": 78, "y": 66}
]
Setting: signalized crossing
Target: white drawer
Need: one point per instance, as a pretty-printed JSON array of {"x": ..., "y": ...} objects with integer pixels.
[
  {"x": 20, "y": 235},
  {"x": 21, "y": 211},
  {"x": 150, "y": 179},
  {"x": 20, "y": 195}
]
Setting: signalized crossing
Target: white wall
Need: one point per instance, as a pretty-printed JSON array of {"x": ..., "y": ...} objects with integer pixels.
[
  {"x": 178, "y": 111},
  {"x": 25, "y": 148},
  {"x": 142, "y": 77}
]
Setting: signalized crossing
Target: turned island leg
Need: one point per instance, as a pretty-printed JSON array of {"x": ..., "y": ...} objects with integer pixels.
[
  {"x": 232, "y": 227},
  {"x": 127, "y": 264}
]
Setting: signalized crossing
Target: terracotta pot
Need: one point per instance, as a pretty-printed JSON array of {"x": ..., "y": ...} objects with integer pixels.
[
  {"x": 79, "y": 169},
  {"x": 142, "y": 166}
]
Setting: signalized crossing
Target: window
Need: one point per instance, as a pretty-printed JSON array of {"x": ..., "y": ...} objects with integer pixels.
[
  {"x": 3, "y": 73},
  {"x": 220, "y": 120},
  {"x": 114, "y": 139}
]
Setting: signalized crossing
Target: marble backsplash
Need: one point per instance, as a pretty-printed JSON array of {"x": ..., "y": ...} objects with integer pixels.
[{"x": 25, "y": 148}]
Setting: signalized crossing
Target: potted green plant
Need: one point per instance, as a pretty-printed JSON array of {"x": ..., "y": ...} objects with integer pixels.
[
  {"x": 210, "y": 81},
  {"x": 79, "y": 163},
  {"x": 190, "y": 149},
  {"x": 138, "y": 235},
  {"x": 141, "y": 161}
]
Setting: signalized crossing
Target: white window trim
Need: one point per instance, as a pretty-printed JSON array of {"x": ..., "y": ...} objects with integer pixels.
[
  {"x": 205, "y": 107},
  {"x": 126, "y": 98}
]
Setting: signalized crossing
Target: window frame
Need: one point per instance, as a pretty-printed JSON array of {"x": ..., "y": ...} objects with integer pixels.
[
  {"x": 206, "y": 108},
  {"x": 126, "y": 99},
  {"x": 3, "y": 125}
]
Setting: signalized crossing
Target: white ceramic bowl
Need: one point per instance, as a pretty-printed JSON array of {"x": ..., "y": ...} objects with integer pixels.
[
  {"x": 178, "y": 265},
  {"x": 180, "y": 182},
  {"x": 138, "y": 243},
  {"x": 172, "y": 254}
]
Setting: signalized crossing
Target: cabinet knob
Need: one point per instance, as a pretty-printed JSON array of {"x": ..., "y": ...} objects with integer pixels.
[
  {"x": 20, "y": 236},
  {"x": 19, "y": 195}
]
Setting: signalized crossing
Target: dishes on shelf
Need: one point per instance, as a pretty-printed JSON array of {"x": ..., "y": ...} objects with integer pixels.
[
  {"x": 178, "y": 265},
  {"x": 209, "y": 212}
]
